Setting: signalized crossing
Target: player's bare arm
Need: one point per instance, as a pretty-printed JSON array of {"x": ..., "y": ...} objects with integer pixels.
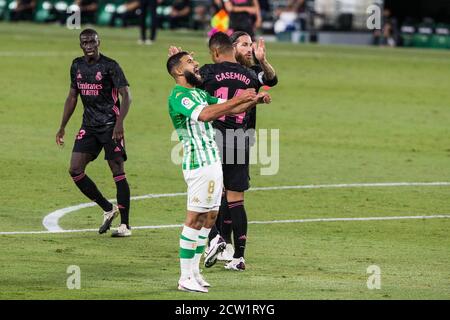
[
  {"x": 215, "y": 111},
  {"x": 260, "y": 53},
  {"x": 69, "y": 108},
  {"x": 118, "y": 132}
]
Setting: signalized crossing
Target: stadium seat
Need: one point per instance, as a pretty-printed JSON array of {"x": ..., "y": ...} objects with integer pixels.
[
  {"x": 407, "y": 35},
  {"x": 422, "y": 39},
  {"x": 441, "y": 37},
  {"x": 105, "y": 11},
  {"x": 163, "y": 12},
  {"x": 3, "y": 9},
  {"x": 43, "y": 12}
]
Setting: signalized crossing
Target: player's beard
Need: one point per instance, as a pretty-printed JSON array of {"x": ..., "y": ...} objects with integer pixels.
[
  {"x": 244, "y": 61},
  {"x": 192, "y": 79}
]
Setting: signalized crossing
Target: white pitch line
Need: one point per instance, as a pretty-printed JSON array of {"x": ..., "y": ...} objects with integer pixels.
[
  {"x": 169, "y": 226},
  {"x": 51, "y": 221}
]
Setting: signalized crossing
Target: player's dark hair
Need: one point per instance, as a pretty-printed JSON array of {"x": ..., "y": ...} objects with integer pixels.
[
  {"x": 221, "y": 42},
  {"x": 88, "y": 32},
  {"x": 174, "y": 60},
  {"x": 236, "y": 35}
]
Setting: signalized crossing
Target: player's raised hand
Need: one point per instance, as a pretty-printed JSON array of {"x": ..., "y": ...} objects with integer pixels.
[
  {"x": 173, "y": 50},
  {"x": 259, "y": 48},
  {"x": 118, "y": 132},
  {"x": 60, "y": 137}
]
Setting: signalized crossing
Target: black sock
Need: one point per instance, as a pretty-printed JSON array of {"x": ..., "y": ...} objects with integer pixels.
[
  {"x": 123, "y": 198},
  {"x": 217, "y": 228},
  {"x": 239, "y": 218},
  {"x": 89, "y": 189},
  {"x": 219, "y": 222},
  {"x": 227, "y": 226},
  {"x": 213, "y": 233}
]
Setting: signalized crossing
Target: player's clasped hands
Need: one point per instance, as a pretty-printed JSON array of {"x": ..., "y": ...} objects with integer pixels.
[
  {"x": 248, "y": 95},
  {"x": 264, "y": 97}
]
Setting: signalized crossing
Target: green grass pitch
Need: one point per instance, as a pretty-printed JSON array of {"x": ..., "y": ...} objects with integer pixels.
[{"x": 345, "y": 115}]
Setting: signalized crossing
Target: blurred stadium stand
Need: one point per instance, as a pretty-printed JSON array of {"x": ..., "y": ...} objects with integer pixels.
[{"x": 419, "y": 23}]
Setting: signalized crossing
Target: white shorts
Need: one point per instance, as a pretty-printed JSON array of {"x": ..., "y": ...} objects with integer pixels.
[{"x": 205, "y": 186}]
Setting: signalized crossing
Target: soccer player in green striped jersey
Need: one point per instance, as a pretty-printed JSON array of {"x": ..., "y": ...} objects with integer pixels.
[{"x": 191, "y": 111}]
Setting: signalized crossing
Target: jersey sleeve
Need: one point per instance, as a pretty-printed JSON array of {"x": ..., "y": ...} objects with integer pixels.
[
  {"x": 73, "y": 76},
  {"x": 187, "y": 106},
  {"x": 118, "y": 77}
]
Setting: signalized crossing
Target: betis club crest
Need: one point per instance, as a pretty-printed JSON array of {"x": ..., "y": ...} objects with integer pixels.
[{"x": 98, "y": 76}]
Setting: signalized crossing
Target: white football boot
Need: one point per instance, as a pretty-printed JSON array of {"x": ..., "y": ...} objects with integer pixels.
[
  {"x": 236, "y": 264},
  {"x": 201, "y": 281},
  {"x": 227, "y": 254},
  {"x": 108, "y": 217},
  {"x": 191, "y": 285},
  {"x": 122, "y": 231},
  {"x": 216, "y": 246}
]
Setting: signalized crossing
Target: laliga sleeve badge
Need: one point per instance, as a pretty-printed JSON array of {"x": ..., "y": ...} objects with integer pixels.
[{"x": 187, "y": 103}]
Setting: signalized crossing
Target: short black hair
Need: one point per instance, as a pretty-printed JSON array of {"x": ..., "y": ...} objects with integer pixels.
[
  {"x": 174, "y": 60},
  {"x": 220, "y": 41},
  {"x": 236, "y": 35},
  {"x": 88, "y": 32}
]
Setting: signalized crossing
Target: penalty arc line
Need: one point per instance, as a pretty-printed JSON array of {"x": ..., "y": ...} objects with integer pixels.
[{"x": 51, "y": 221}]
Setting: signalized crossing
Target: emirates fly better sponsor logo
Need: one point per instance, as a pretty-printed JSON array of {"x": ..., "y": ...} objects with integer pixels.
[{"x": 89, "y": 89}]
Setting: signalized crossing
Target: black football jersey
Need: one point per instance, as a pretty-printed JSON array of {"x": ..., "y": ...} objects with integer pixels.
[
  {"x": 226, "y": 80},
  {"x": 98, "y": 86}
]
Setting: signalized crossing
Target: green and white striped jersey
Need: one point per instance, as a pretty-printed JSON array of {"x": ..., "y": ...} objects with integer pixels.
[{"x": 199, "y": 146}]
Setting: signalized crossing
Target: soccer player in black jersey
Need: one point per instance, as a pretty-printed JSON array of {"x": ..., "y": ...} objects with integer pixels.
[
  {"x": 225, "y": 79},
  {"x": 232, "y": 214},
  {"x": 99, "y": 81},
  {"x": 253, "y": 56}
]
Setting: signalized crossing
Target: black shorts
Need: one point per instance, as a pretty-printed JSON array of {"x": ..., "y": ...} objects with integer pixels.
[
  {"x": 92, "y": 141},
  {"x": 236, "y": 175}
]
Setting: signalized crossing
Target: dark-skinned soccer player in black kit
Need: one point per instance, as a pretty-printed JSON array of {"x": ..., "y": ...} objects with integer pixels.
[{"x": 99, "y": 81}]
